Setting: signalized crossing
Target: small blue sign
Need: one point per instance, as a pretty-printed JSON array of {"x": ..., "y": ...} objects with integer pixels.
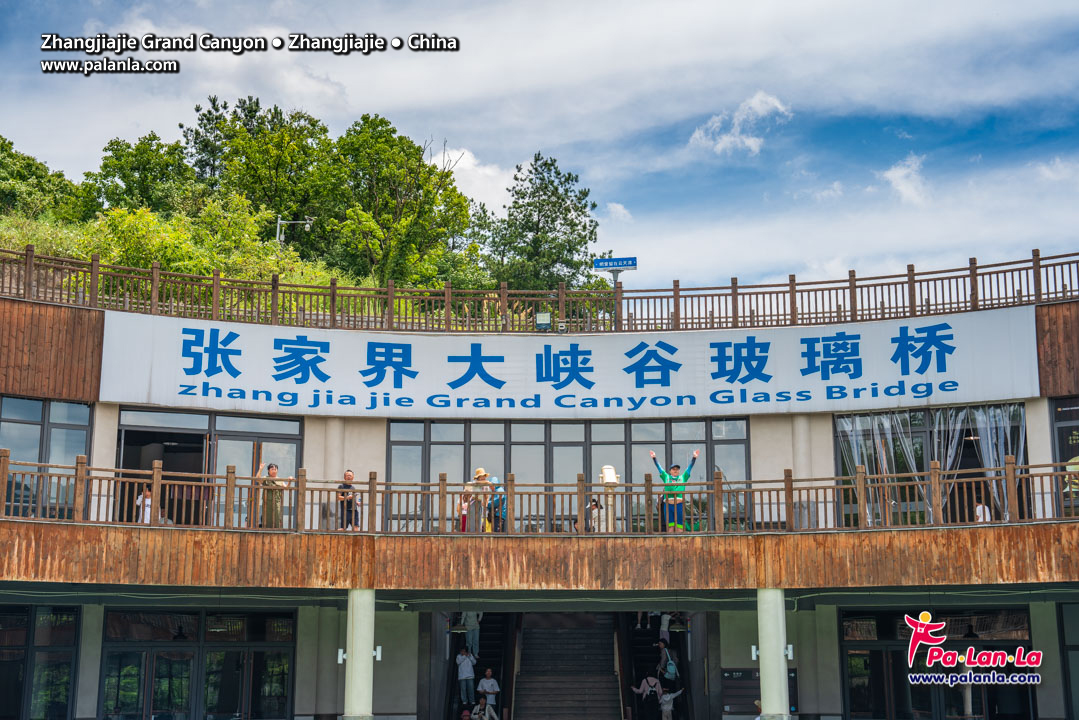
[{"x": 625, "y": 263}]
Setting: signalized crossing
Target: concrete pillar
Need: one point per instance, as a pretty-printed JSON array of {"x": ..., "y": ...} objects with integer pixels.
[
  {"x": 307, "y": 642},
  {"x": 1040, "y": 451},
  {"x": 89, "y": 677},
  {"x": 360, "y": 663},
  {"x": 327, "y": 696},
  {"x": 1045, "y": 635},
  {"x": 772, "y": 644}
]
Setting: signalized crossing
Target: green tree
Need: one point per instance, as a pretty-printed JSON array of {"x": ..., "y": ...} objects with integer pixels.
[
  {"x": 548, "y": 231},
  {"x": 150, "y": 174},
  {"x": 204, "y": 142},
  {"x": 28, "y": 188},
  {"x": 397, "y": 214}
]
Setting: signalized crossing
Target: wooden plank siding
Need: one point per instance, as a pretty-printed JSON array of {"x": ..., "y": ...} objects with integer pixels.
[
  {"x": 131, "y": 555},
  {"x": 50, "y": 351},
  {"x": 1058, "y": 348}
]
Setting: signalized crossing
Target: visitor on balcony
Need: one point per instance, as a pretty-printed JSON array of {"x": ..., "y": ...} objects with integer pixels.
[
  {"x": 272, "y": 496},
  {"x": 466, "y": 676},
  {"x": 348, "y": 505},
  {"x": 496, "y": 506},
  {"x": 483, "y": 710},
  {"x": 594, "y": 515},
  {"x": 674, "y": 482},
  {"x": 143, "y": 510},
  {"x": 489, "y": 687}
]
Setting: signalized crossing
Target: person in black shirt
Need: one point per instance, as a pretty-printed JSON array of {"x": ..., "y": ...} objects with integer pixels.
[{"x": 348, "y": 504}]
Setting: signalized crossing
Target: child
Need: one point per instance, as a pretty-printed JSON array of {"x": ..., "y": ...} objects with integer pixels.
[{"x": 666, "y": 703}]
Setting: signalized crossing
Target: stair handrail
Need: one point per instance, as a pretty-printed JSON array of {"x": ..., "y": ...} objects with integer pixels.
[
  {"x": 515, "y": 667},
  {"x": 619, "y": 669}
]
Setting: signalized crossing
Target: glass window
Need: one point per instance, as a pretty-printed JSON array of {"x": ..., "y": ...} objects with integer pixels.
[
  {"x": 65, "y": 444},
  {"x": 449, "y": 459},
  {"x": 21, "y": 409},
  {"x": 170, "y": 695},
  {"x": 123, "y": 687},
  {"x": 406, "y": 462},
  {"x": 12, "y": 678},
  {"x": 145, "y": 626},
  {"x": 608, "y": 432},
  {"x": 648, "y": 432},
  {"x": 269, "y": 684},
  {"x": 226, "y": 628},
  {"x": 567, "y": 432},
  {"x": 55, "y": 626},
  {"x": 527, "y": 464},
  {"x": 22, "y": 439},
  {"x": 488, "y": 432},
  {"x": 271, "y": 627},
  {"x": 687, "y": 431},
  {"x": 731, "y": 459},
  {"x": 13, "y": 627},
  {"x": 566, "y": 462},
  {"x": 69, "y": 413},
  {"x": 447, "y": 432},
  {"x": 406, "y": 431},
  {"x": 150, "y": 418},
  {"x": 729, "y": 429},
  {"x": 526, "y": 432},
  {"x": 613, "y": 455},
  {"x": 51, "y": 689},
  {"x": 227, "y": 423}
]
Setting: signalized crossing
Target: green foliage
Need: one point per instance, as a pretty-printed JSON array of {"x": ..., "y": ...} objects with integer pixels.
[
  {"x": 28, "y": 188},
  {"x": 547, "y": 233},
  {"x": 150, "y": 174},
  {"x": 48, "y": 237}
]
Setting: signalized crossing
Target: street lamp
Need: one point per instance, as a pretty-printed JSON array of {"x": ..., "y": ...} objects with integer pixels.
[{"x": 306, "y": 222}]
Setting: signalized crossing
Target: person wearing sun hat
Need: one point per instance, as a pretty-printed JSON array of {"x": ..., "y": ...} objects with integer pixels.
[{"x": 674, "y": 481}]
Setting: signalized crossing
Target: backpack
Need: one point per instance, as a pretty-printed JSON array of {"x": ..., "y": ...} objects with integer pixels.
[{"x": 670, "y": 670}]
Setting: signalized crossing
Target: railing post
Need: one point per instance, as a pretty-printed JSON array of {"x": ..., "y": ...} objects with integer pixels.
[
  {"x": 372, "y": 495},
  {"x": 649, "y": 502},
  {"x": 1036, "y": 269},
  {"x": 95, "y": 272},
  {"x": 863, "y": 504},
  {"x": 852, "y": 285},
  {"x": 936, "y": 502},
  {"x": 974, "y": 283},
  {"x": 333, "y": 302},
  {"x": 618, "y": 306},
  {"x": 391, "y": 311},
  {"x": 561, "y": 301},
  {"x": 301, "y": 500},
  {"x": 792, "y": 292},
  {"x": 155, "y": 493},
  {"x": 443, "y": 497},
  {"x": 230, "y": 496},
  {"x": 155, "y": 286},
  {"x": 28, "y": 276},
  {"x": 788, "y": 497},
  {"x": 912, "y": 293},
  {"x": 1011, "y": 490},
  {"x": 734, "y": 302},
  {"x": 504, "y": 305},
  {"x": 676, "y": 314},
  {"x": 275, "y": 291},
  {"x": 5, "y": 459},
  {"x": 79, "y": 501},
  {"x": 216, "y": 296},
  {"x": 717, "y": 501},
  {"x": 580, "y": 504},
  {"x": 447, "y": 310},
  {"x": 511, "y": 505}
]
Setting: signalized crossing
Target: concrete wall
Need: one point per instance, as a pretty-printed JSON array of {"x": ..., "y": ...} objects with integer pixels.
[
  {"x": 332, "y": 445},
  {"x": 103, "y": 442},
  {"x": 395, "y": 676},
  {"x": 802, "y": 443},
  {"x": 1045, "y": 636}
]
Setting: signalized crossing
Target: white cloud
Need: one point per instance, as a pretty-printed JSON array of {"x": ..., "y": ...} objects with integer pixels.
[
  {"x": 1058, "y": 170},
  {"x": 724, "y": 138},
  {"x": 833, "y": 191},
  {"x": 906, "y": 179},
  {"x": 618, "y": 212},
  {"x": 485, "y": 183}
]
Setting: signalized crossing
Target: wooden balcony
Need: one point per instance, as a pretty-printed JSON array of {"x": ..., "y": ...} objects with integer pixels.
[{"x": 79, "y": 524}]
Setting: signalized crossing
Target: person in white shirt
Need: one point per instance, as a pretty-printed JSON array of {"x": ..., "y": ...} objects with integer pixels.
[
  {"x": 666, "y": 704},
  {"x": 489, "y": 686},
  {"x": 466, "y": 676},
  {"x": 142, "y": 505},
  {"x": 483, "y": 711}
]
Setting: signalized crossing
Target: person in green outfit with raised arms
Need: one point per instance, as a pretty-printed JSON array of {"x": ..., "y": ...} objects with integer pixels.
[{"x": 674, "y": 481}]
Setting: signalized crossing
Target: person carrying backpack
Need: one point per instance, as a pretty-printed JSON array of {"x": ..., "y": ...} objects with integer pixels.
[
  {"x": 667, "y": 668},
  {"x": 651, "y": 692}
]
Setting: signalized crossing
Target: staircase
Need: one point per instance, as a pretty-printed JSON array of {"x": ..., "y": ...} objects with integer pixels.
[
  {"x": 494, "y": 640},
  {"x": 567, "y": 668}
]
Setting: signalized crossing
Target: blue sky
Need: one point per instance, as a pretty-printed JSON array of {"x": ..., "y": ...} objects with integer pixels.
[{"x": 718, "y": 139}]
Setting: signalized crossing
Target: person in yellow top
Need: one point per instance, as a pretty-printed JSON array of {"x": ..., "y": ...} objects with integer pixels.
[{"x": 674, "y": 482}]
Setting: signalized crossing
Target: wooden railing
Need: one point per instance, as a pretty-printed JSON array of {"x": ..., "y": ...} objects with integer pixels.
[
  {"x": 912, "y": 294},
  {"x": 78, "y": 493}
]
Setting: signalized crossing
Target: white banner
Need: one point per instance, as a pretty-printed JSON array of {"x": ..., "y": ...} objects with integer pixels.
[{"x": 965, "y": 358}]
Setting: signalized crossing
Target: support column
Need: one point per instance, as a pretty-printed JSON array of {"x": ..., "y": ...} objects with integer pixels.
[
  {"x": 89, "y": 672},
  {"x": 360, "y": 663},
  {"x": 772, "y": 644}
]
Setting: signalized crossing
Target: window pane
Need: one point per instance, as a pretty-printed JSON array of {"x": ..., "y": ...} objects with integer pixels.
[
  {"x": 447, "y": 432},
  {"x": 488, "y": 432},
  {"x": 69, "y": 413},
  {"x": 687, "y": 430},
  {"x": 1070, "y": 612},
  {"x": 257, "y": 425},
  {"x": 142, "y": 627},
  {"x": 12, "y": 671},
  {"x": 23, "y": 440},
  {"x": 614, "y": 455},
  {"x": 13, "y": 626},
  {"x": 55, "y": 626},
  {"x": 615, "y": 432},
  {"x": 283, "y": 454},
  {"x": 65, "y": 444},
  {"x": 567, "y": 432},
  {"x": 20, "y": 409},
  {"x": 492, "y": 459},
  {"x": 406, "y": 431},
  {"x": 642, "y": 463},
  {"x": 124, "y": 680},
  {"x": 187, "y": 421},
  {"x": 171, "y": 694},
  {"x": 525, "y": 432},
  {"x": 526, "y": 464},
  {"x": 226, "y": 628},
  {"x": 731, "y": 459},
  {"x": 566, "y": 462},
  {"x": 647, "y": 432},
  {"x": 270, "y": 627},
  {"x": 270, "y": 681},
  {"x": 51, "y": 687},
  {"x": 449, "y": 459},
  {"x": 729, "y": 429},
  {"x": 683, "y": 455},
  {"x": 223, "y": 683},
  {"x": 406, "y": 463}
]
